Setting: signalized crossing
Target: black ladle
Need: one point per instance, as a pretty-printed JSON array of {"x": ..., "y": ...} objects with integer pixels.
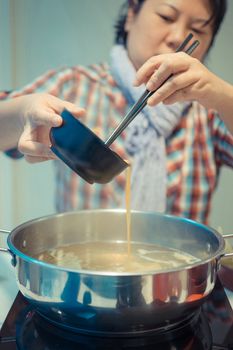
[{"x": 85, "y": 153}]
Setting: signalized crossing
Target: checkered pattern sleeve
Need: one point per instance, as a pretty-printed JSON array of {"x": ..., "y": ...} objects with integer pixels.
[
  {"x": 54, "y": 82},
  {"x": 12, "y": 153},
  {"x": 222, "y": 140}
]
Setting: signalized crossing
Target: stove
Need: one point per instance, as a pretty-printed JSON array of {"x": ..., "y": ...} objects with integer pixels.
[{"x": 211, "y": 328}]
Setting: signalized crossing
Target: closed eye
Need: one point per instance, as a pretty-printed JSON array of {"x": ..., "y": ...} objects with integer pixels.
[
  {"x": 166, "y": 18},
  {"x": 197, "y": 31}
]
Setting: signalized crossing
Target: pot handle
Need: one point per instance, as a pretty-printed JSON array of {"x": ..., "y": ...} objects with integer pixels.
[
  {"x": 227, "y": 255},
  {"x": 7, "y": 250}
]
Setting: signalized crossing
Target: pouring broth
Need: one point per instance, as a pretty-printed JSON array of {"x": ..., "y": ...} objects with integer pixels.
[
  {"x": 113, "y": 257},
  {"x": 118, "y": 256},
  {"x": 128, "y": 209}
]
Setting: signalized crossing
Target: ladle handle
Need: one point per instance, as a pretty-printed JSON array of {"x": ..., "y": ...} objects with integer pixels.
[
  {"x": 227, "y": 255},
  {"x": 7, "y": 250}
]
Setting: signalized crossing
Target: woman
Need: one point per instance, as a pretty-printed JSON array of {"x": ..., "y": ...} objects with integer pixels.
[
  {"x": 176, "y": 151},
  {"x": 190, "y": 80}
]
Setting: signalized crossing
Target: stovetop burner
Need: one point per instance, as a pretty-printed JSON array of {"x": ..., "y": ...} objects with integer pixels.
[
  {"x": 34, "y": 332},
  {"x": 211, "y": 328}
]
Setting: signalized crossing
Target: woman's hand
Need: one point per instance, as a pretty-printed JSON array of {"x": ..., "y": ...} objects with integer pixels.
[
  {"x": 188, "y": 79},
  {"x": 40, "y": 112}
]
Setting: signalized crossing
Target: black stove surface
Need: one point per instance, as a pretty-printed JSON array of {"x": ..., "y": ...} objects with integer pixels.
[{"x": 210, "y": 329}]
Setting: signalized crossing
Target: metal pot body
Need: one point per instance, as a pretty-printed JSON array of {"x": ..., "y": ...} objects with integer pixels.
[{"x": 115, "y": 303}]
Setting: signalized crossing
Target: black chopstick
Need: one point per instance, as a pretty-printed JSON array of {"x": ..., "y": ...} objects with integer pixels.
[
  {"x": 192, "y": 47},
  {"x": 184, "y": 43},
  {"x": 142, "y": 101}
]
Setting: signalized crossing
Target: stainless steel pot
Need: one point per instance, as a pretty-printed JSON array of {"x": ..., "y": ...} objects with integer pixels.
[{"x": 115, "y": 303}]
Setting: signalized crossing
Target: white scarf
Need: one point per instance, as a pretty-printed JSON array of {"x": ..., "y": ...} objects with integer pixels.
[{"x": 145, "y": 137}]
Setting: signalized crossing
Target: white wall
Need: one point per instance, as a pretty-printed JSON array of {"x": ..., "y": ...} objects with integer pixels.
[{"x": 39, "y": 35}]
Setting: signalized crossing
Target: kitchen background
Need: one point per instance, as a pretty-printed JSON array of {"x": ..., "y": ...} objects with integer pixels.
[{"x": 38, "y": 35}]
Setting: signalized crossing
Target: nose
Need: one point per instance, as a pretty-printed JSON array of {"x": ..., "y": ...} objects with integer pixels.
[{"x": 176, "y": 36}]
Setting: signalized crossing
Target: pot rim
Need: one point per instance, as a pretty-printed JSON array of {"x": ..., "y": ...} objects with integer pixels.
[{"x": 217, "y": 255}]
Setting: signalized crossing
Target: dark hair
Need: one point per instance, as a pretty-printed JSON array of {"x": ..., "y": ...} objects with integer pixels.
[{"x": 219, "y": 8}]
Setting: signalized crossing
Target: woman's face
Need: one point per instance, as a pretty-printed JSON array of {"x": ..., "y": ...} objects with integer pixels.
[{"x": 161, "y": 25}]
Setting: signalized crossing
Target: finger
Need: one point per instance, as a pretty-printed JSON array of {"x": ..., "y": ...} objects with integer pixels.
[
  {"x": 35, "y": 159},
  {"x": 158, "y": 78},
  {"x": 59, "y": 105},
  {"x": 175, "y": 83},
  {"x": 47, "y": 118},
  {"x": 32, "y": 148},
  {"x": 76, "y": 111},
  {"x": 168, "y": 68},
  {"x": 180, "y": 95},
  {"x": 147, "y": 69}
]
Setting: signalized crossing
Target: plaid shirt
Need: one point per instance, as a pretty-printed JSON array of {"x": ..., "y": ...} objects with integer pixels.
[
  {"x": 12, "y": 153},
  {"x": 196, "y": 150}
]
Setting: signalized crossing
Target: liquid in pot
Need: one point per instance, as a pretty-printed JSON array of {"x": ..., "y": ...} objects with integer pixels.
[
  {"x": 117, "y": 257},
  {"x": 113, "y": 257}
]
